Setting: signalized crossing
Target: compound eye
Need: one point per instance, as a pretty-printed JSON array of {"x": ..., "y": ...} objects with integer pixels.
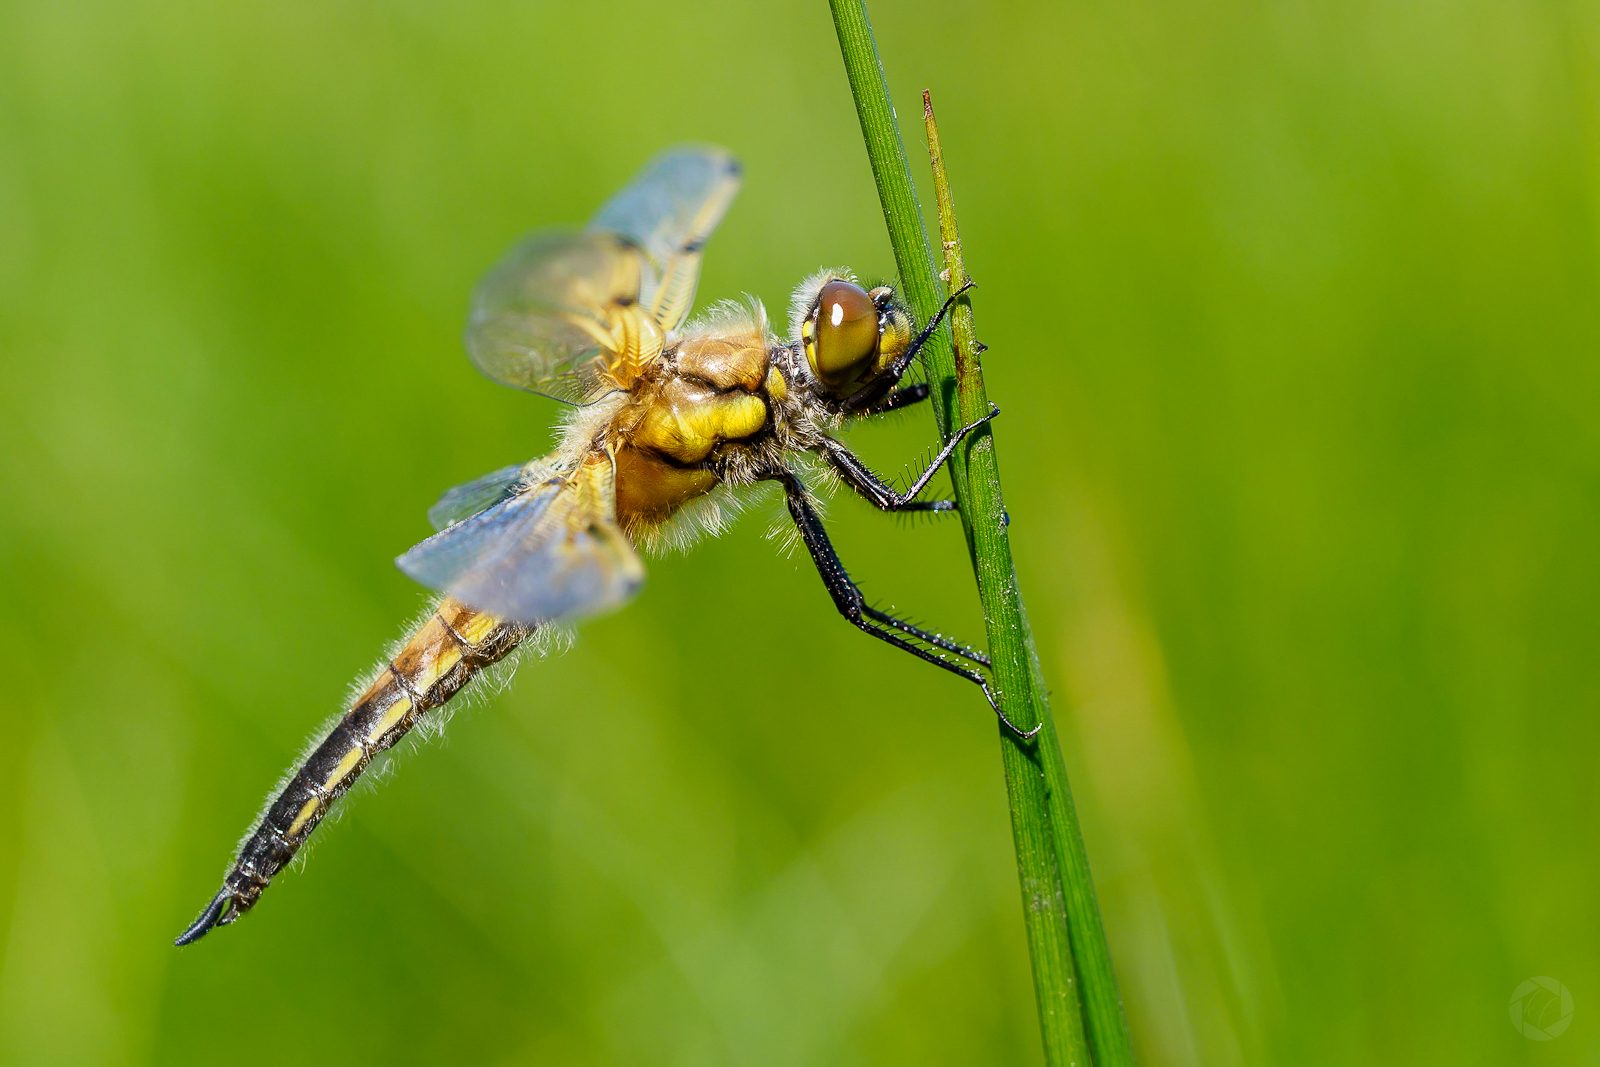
[{"x": 843, "y": 336}]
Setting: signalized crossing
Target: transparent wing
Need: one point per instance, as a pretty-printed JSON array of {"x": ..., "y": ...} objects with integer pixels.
[
  {"x": 546, "y": 318},
  {"x": 669, "y": 211},
  {"x": 576, "y": 315},
  {"x": 552, "y": 550},
  {"x": 472, "y": 497}
]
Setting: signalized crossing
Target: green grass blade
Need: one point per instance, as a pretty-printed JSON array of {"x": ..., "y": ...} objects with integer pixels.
[
  {"x": 1008, "y": 630},
  {"x": 1066, "y": 939}
]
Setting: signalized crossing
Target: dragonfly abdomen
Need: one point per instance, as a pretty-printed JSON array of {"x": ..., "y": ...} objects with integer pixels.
[{"x": 451, "y": 646}]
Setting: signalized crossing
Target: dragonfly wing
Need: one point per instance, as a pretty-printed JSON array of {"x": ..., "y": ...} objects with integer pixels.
[
  {"x": 472, "y": 497},
  {"x": 669, "y": 211},
  {"x": 549, "y": 318},
  {"x": 576, "y": 315},
  {"x": 550, "y": 551}
]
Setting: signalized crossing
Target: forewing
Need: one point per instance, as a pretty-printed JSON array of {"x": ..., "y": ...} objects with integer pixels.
[
  {"x": 551, "y": 551},
  {"x": 669, "y": 211},
  {"x": 545, "y": 318}
]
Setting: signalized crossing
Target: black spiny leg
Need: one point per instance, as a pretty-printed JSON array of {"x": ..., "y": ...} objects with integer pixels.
[
  {"x": 859, "y": 477},
  {"x": 848, "y": 599},
  {"x": 903, "y": 397},
  {"x": 927, "y": 636}
]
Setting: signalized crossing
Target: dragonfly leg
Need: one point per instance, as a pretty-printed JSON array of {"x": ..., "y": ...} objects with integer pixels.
[
  {"x": 903, "y": 397},
  {"x": 852, "y": 605},
  {"x": 858, "y": 476},
  {"x": 966, "y": 652}
]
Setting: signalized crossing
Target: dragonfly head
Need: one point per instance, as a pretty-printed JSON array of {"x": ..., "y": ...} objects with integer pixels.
[{"x": 854, "y": 340}]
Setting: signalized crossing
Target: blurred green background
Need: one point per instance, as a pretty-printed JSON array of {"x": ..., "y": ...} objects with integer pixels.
[{"x": 1292, "y": 310}]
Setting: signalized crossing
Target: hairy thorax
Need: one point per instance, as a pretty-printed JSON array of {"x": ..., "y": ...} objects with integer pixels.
[{"x": 709, "y": 395}]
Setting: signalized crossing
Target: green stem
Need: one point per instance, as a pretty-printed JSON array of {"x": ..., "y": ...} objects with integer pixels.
[
  {"x": 1066, "y": 939},
  {"x": 1008, "y": 627}
]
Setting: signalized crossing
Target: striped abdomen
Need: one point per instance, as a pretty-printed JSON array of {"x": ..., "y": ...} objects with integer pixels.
[{"x": 446, "y": 651}]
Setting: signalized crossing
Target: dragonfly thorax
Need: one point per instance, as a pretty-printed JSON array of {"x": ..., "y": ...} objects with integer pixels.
[{"x": 709, "y": 395}]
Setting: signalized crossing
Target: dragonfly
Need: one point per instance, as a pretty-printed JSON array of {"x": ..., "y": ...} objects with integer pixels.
[{"x": 665, "y": 420}]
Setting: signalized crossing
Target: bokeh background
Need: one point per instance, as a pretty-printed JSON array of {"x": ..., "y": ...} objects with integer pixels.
[{"x": 1292, "y": 311}]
